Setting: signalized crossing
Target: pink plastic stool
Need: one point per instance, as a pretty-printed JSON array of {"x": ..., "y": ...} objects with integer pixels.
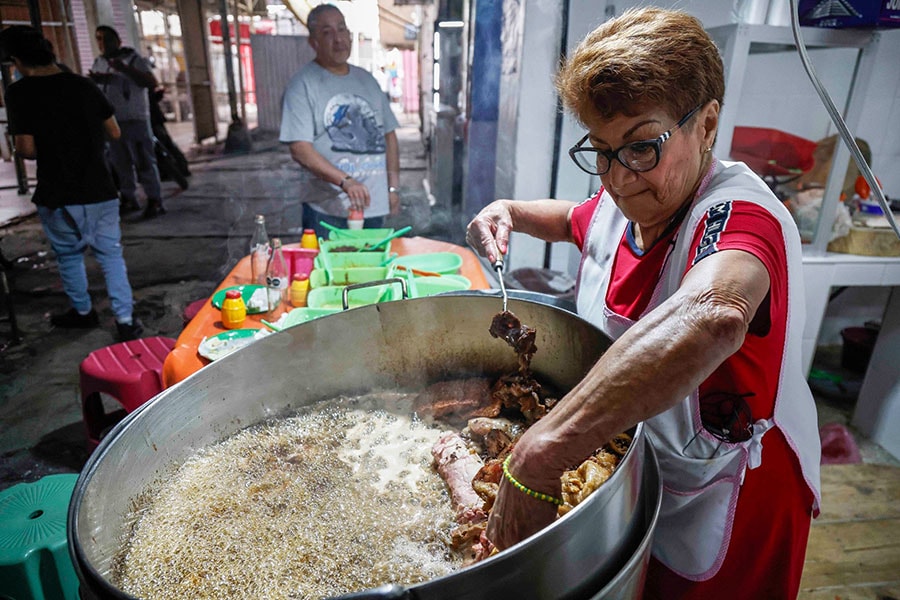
[
  {"x": 190, "y": 311},
  {"x": 130, "y": 372}
]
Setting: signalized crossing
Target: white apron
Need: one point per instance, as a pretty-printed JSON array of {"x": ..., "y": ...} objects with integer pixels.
[{"x": 701, "y": 474}]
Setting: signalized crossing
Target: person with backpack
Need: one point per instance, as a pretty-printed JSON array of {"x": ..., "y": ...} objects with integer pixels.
[{"x": 126, "y": 79}]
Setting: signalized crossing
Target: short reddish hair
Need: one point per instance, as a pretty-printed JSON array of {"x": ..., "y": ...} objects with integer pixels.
[{"x": 645, "y": 58}]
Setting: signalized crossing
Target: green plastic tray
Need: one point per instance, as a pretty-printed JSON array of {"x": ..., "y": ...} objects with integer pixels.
[
  {"x": 303, "y": 314},
  {"x": 347, "y": 276},
  {"x": 429, "y": 286},
  {"x": 360, "y": 234},
  {"x": 330, "y": 296},
  {"x": 329, "y": 246},
  {"x": 445, "y": 263},
  {"x": 351, "y": 260}
]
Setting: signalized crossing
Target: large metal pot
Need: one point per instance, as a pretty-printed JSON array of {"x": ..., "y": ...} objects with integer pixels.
[{"x": 387, "y": 346}]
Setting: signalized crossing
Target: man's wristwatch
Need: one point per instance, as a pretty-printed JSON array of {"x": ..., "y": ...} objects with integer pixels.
[
  {"x": 393, "y": 190},
  {"x": 345, "y": 180}
]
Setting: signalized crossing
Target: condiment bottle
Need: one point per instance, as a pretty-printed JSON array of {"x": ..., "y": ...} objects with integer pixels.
[
  {"x": 277, "y": 277},
  {"x": 299, "y": 289},
  {"x": 355, "y": 219},
  {"x": 234, "y": 311},
  {"x": 259, "y": 252},
  {"x": 309, "y": 239}
]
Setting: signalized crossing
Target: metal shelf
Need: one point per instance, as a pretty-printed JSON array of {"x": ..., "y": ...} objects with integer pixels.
[{"x": 737, "y": 42}]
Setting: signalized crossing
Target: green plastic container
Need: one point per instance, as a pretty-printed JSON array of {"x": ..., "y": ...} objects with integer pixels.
[
  {"x": 303, "y": 314},
  {"x": 352, "y": 260},
  {"x": 445, "y": 263},
  {"x": 371, "y": 235},
  {"x": 330, "y": 296},
  {"x": 429, "y": 286},
  {"x": 330, "y": 246},
  {"x": 341, "y": 276}
]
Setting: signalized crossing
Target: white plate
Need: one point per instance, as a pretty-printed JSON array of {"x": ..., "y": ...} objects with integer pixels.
[{"x": 222, "y": 344}]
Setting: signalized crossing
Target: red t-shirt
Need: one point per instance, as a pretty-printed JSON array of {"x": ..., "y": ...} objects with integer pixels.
[{"x": 771, "y": 526}]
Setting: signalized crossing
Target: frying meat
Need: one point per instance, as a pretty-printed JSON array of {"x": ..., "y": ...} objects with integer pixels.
[
  {"x": 458, "y": 466},
  {"x": 483, "y": 426},
  {"x": 458, "y": 400},
  {"x": 487, "y": 481},
  {"x": 581, "y": 482},
  {"x": 494, "y": 435},
  {"x": 507, "y": 326},
  {"x": 521, "y": 391}
]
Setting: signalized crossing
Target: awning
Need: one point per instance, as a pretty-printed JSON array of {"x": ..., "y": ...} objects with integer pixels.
[{"x": 396, "y": 25}]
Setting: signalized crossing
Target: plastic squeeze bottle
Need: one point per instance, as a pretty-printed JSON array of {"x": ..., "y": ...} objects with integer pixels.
[
  {"x": 299, "y": 289},
  {"x": 355, "y": 219},
  {"x": 234, "y": 311},
  {"x": 309, "y": 239}
]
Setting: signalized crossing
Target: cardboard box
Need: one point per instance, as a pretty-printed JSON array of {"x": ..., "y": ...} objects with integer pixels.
[{"x": 839, "y": 14}]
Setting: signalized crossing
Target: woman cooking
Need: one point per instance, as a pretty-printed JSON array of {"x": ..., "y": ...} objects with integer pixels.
[{"x": 693, "y": 266}]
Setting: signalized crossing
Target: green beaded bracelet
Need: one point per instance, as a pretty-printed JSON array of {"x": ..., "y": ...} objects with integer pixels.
[{"x": 529, "y": 491}]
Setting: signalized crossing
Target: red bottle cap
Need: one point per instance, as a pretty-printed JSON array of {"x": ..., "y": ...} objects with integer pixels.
[
  {"x": 233, "y": 294},
  {"x": 312, "y": 231},
  {"x": 300, "y": 276}
]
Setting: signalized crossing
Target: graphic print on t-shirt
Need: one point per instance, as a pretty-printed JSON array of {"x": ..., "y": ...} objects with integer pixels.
[
  {"x": 352, "y": 126},
  {"x": 716, "y": 219}
]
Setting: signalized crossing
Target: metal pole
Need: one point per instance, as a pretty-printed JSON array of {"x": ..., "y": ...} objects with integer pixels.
[
  {"x": 229, "y": 67},
  {"x": 173, "y": 68},
  {"x": 237, "y": 43},
  {"x": 238, "y": 139},
  {"x": 34, "y": 12}
]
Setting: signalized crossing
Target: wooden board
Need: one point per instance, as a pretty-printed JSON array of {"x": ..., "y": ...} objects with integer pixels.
[
  {"x": 854, "y": 545},
  {"x": 867, "y": 241}
]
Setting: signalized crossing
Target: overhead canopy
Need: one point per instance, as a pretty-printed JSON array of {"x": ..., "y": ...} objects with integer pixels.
[
  {"x": 396, "y": 25},
  {"x": 300, "y": 8}
]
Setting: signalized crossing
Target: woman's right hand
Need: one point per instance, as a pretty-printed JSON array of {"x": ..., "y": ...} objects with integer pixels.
[{"x": 488, "y": 233}]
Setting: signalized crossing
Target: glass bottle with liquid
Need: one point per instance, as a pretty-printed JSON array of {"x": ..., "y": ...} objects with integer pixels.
[
  {"x": 259, "y": 252},
  {"x": 277, "y": 277}
]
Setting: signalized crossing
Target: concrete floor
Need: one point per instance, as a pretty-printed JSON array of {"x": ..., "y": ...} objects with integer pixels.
[
  {"x": 181, "y": 257},
  {"x": 172, "y": 261}
]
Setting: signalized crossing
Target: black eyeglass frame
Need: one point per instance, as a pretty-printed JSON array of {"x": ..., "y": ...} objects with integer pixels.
[{"x": 655, "y": 143}]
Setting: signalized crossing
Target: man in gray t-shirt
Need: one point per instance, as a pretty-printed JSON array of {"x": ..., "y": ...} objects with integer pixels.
[{"x": 340, "y": 129}]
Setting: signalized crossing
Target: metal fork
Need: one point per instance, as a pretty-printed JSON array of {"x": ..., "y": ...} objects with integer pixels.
[{"x": 498, "y": 266}]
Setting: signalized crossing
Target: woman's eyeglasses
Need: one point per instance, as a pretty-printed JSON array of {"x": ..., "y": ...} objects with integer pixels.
[{"x": 637, "y": 156}]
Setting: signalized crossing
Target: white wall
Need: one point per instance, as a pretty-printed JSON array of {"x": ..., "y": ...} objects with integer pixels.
[{"x": 779, "y": 95}]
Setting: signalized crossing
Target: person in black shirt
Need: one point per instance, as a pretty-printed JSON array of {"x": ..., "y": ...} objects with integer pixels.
[{"x": 61, "y": 120}]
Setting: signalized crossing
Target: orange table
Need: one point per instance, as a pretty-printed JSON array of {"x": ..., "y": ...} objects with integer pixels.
[{"x": 183, "y": 360}]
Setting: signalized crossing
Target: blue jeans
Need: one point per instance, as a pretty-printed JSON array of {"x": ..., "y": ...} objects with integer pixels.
[
  {"x": 72, "y": 230},
  {"x": 311, "y": 218}
]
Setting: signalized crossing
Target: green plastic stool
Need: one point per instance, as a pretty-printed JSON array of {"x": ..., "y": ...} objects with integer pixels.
[{"x": 34, "y": 553}]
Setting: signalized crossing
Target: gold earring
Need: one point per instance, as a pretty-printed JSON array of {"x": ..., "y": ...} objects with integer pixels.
[{"x": 708, "y": 148}]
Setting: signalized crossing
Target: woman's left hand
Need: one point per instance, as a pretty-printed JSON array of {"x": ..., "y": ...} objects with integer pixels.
[{"x": 516, "y": 516}]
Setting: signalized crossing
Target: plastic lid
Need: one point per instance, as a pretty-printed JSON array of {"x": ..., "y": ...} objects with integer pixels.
[
  {"x": 300, "y": 277},
  {"x": 233, "y": 294},
  {"x": 305, "y": 231}
]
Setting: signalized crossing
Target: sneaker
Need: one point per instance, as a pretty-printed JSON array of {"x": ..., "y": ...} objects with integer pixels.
[
  {"x": 74, "y": 320},
  {"x": 130, "y": 332},
  {"x": 154, "y": 209}
]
